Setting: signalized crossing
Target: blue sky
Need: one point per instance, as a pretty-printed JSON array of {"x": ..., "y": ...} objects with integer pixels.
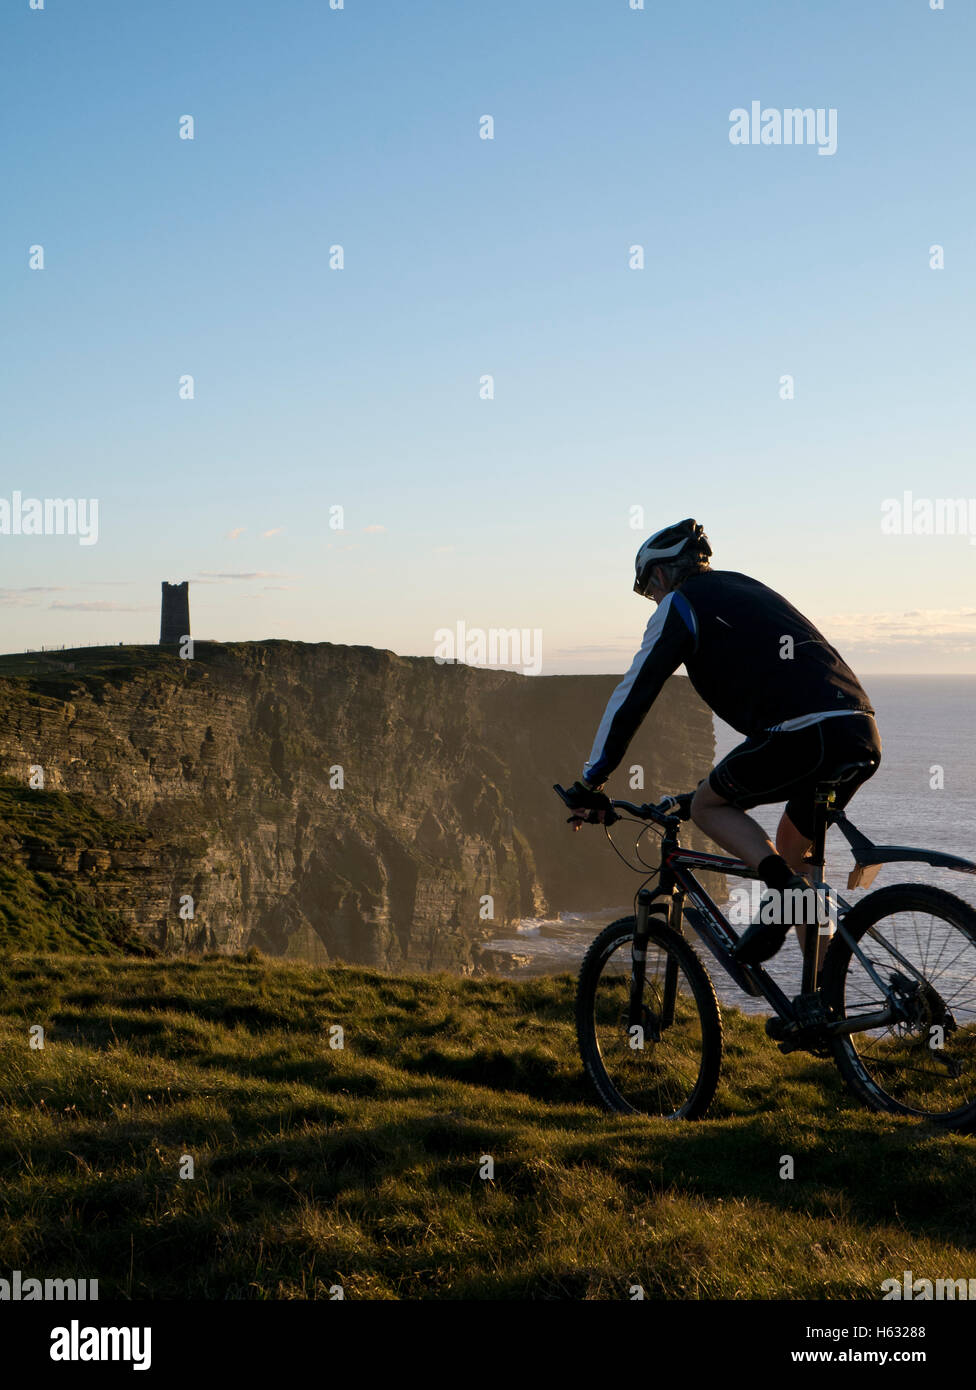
[{"x": 359, "y": 387}]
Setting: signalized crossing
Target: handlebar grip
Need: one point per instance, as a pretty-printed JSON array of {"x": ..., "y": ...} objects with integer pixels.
[{"x": 592, "y": 817}]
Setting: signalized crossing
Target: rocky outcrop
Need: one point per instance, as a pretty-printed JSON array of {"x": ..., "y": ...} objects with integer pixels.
[{"x": 321, "y": 801}]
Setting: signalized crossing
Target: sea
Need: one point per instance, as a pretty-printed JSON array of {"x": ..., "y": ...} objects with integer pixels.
[{"x": 923, "y": 795}]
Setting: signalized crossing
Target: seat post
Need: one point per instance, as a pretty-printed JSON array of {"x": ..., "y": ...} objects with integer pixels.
[{"x": 822, "y": 797}]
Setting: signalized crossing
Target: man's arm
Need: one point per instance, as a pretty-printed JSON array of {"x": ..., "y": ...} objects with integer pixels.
[{"x": 670, "y": 637}]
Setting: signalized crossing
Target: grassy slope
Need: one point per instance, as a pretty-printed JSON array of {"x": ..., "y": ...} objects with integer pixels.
[
  {"x": 70, "y": 666},
  {"x": 63, "y": 912},
  {"x": 57, "y": 912},
  {"x": 317, "y": 1166}
]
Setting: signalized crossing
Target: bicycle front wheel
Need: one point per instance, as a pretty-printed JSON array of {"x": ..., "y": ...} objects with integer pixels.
[
  {"x": 921, "y": 945},
  {"x": 669, "y": 1065}
]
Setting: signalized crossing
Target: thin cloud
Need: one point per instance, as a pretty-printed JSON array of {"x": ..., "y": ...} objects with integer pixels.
[
  {"x": 373, "y": 529},
  {"x": 922, "y": 632},
  {"x": 275, "y": 531},
  {"x": 12, "y": 598},
  {"x": 98, "y": 606},
  {"x": 228, "y": 577},
  {"x": 237, "y": 531},
  {"x": 18, "y": 598},
  {"x": 24, "y": 598}
]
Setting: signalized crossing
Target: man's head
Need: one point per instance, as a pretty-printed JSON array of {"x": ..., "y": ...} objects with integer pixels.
[{"x": 667, "y": 558}]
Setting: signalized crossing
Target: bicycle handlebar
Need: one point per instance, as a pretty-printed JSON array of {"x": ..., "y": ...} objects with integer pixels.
[{"x": 665, "y": 812}]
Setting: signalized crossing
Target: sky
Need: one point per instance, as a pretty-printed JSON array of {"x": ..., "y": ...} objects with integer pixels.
[{"x": 502, "y": 406}]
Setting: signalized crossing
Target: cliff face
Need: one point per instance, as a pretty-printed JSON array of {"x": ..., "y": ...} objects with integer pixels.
[{"x": 319, "y": 801}]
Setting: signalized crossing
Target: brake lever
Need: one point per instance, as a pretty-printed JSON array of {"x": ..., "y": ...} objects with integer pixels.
[{"x": 592, "y": 817}]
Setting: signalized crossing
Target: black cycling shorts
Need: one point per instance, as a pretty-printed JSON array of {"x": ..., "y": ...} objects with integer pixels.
[{"x": 786, "y": 766}]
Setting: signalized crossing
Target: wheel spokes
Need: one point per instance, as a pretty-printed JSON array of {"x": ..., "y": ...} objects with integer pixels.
[
  {"x": 926, "y": 1061},
  {"x": 656, "y": 1071}
]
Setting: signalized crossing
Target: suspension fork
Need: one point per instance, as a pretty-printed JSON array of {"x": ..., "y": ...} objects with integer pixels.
[
  {"x": 638, "y": 952},
  {"x": 638, "y": 956},
  {"x": 671, "y": 966}
]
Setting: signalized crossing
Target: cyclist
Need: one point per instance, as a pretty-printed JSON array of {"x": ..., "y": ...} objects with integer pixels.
[{"x": 766, "y": 670}]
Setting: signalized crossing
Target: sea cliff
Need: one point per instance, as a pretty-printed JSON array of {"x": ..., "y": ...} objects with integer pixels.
[{"x": 316, "y": 801}]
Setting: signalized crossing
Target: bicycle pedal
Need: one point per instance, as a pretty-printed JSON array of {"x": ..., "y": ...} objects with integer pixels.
[
  {"x": 809, "y": 1010},
  {"x": 797, "y": 1037}
]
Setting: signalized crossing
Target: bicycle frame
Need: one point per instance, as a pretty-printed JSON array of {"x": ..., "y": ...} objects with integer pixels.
[{"x": 677, "y": 880}]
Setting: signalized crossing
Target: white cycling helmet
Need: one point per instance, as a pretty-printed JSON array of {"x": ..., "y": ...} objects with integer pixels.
[{"x": 685, "y": 537}]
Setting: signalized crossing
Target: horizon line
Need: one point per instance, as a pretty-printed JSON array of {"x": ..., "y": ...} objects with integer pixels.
[{"x": 422, "y": 656}]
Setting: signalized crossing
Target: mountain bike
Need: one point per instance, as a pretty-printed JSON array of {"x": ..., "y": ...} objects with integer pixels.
[{"x": 894, "y": 1004}]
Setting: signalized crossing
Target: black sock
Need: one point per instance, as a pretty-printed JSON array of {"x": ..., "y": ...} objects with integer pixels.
[{"x": 774, "y": 871}]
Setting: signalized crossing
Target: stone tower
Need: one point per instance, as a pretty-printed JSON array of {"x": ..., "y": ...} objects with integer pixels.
[{"x": 174, "y": 621}]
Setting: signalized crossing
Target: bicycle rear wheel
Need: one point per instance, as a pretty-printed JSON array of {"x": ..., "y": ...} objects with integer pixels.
[
  {"x": 672, "y": 1068},
  {"x": 921, "y": 943}
]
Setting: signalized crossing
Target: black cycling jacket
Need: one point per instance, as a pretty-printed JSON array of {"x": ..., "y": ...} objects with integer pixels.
[{"x": 729, "y": 631}]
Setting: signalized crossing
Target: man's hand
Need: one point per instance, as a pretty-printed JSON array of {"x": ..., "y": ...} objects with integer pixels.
[{"x": 589, "y": 806}]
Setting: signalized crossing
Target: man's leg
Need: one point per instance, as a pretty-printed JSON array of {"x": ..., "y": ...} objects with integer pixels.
[
  {"x": 737, "y": 833},
  {"x": 793, "y": 845},
  {"x": 730, "y": 828}
]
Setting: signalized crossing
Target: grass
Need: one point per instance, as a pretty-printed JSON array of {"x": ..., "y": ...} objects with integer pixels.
[
  {"x": 361, "y": 1167},
  {"x": 41, "y": 911}
]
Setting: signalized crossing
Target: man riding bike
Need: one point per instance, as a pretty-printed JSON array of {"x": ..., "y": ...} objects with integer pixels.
[{"x": 765, "y": 669}]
